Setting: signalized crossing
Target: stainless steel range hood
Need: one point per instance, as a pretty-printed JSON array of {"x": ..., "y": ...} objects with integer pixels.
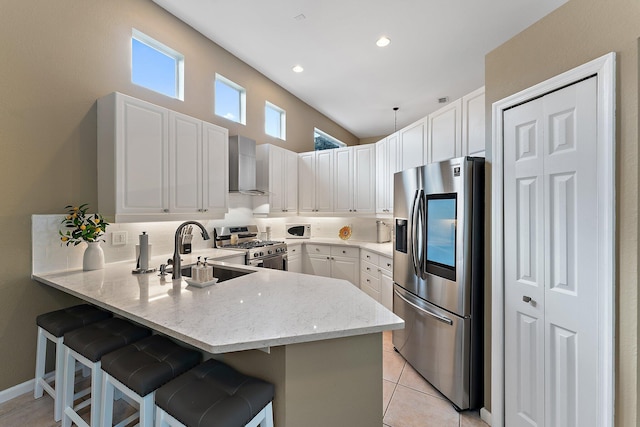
[{"x": 242, "y": 166}]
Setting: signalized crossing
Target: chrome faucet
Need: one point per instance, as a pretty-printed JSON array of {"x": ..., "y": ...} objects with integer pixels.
[{"x": 177, "y": 263}]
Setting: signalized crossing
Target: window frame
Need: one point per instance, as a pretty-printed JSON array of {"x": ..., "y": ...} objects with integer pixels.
[
  {"x": 242, "y": 92},
  {"x": 283, "y": 120},
  {"x": 149, "y": 41}
]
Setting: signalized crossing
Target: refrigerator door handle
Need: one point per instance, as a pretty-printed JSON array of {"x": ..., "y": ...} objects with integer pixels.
[
  {"x": 415, "y": 214},
  {"x": 422, "y": 310}
]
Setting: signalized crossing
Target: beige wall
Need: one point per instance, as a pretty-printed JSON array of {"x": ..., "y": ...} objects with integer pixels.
[
  {"x": 576, "y": 33},
  {"x": 58, "y": 57}
]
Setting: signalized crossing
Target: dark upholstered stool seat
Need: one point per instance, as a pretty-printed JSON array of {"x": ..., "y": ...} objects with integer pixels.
[
  {"x": 105, "y": 336},
  {"x": 52, "y": 326},
  {"x": 59, "y": 322},
  {"x": 149, "y": 363},
  {"x": 214, "y": 394}
]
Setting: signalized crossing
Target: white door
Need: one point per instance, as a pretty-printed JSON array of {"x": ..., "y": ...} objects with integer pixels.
[
  {"x": 550, "y": 247},
  {"x": 343, "y": 184},
  {"x": 324, "y": 180},
  {"x": 444, "y": 140},
  {"x": 307, "y": 182},
  {"x": 290, "y": 178},
  {"x": 215, "y": 174},
  {"x": 412, "y": 145}
]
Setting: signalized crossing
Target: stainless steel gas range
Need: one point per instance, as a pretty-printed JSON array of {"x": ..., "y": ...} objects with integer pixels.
[{"x": 259, "y": 253}]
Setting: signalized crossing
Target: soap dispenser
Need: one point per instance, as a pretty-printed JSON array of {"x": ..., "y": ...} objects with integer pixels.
[
  {"x": 197, "y": 272},
  {"x": 208, "y": 271}
]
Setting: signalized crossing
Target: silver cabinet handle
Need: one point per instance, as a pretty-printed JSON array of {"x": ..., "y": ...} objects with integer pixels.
[
  {"x": 422, "y": 310},
  {"x": 526, "y": 298}
]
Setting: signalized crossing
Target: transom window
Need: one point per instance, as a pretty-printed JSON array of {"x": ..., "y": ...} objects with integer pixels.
[
  {"x": 275, "y": 121},
  {"x": 324, "y": 141},
  {"x": 156, "y": 66},
  {"x": 230, "y": 100}
]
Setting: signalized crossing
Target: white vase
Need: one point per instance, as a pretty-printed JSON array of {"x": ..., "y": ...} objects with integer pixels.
[{"x": 93, "y": 257}]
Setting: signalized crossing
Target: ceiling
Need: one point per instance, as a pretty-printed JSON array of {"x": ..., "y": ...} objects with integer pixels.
[{"x": 437, "y": 49}]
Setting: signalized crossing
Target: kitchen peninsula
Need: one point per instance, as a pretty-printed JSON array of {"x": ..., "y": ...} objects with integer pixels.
[{"x": 319, "y": 340}]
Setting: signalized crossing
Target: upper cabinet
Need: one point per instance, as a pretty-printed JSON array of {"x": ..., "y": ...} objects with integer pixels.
[
  {"x": 445, "y": 132},
  {"x": 473, "y": 124},
  {"x": 412, "y": 140},
  {"x": 387, "y": 164},
  {"x": 277, "y": 173},
  {"x": 354, "y": 179},
  {"x": 155, "y": 164},
  {"x": 315, "y": 181}
]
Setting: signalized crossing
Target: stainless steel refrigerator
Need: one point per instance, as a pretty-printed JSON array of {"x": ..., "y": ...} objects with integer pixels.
[{"x": 438, "y": 274}]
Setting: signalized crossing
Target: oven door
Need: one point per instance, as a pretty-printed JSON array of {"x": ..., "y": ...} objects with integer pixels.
[{"x": 276, "y": 262}]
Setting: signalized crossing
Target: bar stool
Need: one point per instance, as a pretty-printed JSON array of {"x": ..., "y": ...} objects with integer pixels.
[
  {"x": 87, "y": 345},
  {"x": 214, "y": 394},
  {"x": 138, "y": 370},
  {"x": 52, "y": 326}
]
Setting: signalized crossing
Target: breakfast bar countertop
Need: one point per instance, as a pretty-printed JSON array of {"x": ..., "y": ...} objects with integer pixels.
[{"x": 259, "y": 310}]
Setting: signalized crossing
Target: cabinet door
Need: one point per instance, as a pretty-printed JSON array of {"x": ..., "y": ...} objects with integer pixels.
[
  {"x": 290, "y": 181},
  {"x": 294, "y": 264},
  {"x": 393, "y": 166},
  {"x": 185, "y": 164},
  {"x": 215, "y": 176},
  {"x": 445, "y": 129},
  {"x": 277, "y": 193},
  {"x": 364, "y": 178},
  {"x": 382, "y": 176},
  {"x": 386, "y": 289},
  {"x": 142, "y": 139},
  {"x": 346, "y": 268},
  {"x": 473, "y": 124},
  {"x": 319, "y": 265},
  {"x": 412, "y": 145},
  {"x": 324, "y": 181},
  {"x": 343, "y": 183},
  {"x": 307, "y": 182}
]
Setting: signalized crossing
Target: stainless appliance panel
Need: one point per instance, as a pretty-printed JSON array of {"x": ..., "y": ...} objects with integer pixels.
[
  {"x": 411, "y": 188},
  {"x": 436, "y": 343}
]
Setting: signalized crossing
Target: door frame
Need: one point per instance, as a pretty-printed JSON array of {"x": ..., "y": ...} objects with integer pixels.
[{"x": 604, "y": 69}]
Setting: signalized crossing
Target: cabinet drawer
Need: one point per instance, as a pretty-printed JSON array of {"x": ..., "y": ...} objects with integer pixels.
[
  {"x": 386, "y": 263},
  {"x": 368, "y": 268},
  {"x": 345, "y": 251},
  {"x": 369, "y": 256},
  {"x": 369, "y": 281},
  {"x": 294, "y": 250},
  {"x": 317, "y": 249}
]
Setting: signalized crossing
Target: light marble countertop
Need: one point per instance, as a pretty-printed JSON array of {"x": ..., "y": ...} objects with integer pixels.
[
  {"x": 258, "y": 310},
  {"x": 385, "y": 249}
]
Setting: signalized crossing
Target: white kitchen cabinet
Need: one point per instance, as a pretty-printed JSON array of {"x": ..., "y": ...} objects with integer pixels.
[
  {"x": 444, "y": 133},
  {"x": 277, "y": 173},
  {"x": 315, "y": 178},
  {"x": 158, "y": 165},
  {"x": 473, "y": 124},
  {"x": 294, "y": 258},
  {"x": 376, "y": 277},
  {"x": 386, "y": 166},
  {"x": 412, "y": 142},
  {"x": 198, "y": 180},
  {"x": 354, "y": 181},
  {"x": 339, "y": 262}
]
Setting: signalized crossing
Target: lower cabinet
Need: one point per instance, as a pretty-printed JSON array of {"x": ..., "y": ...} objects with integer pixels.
[
  {"x": 339, "y": 262},
  {"x": 294, "y": 258},
  {"x": 376, "y": 277}
]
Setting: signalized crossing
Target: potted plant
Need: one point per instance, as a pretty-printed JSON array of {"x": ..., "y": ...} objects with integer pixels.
[{"x": 78, "y": 227}]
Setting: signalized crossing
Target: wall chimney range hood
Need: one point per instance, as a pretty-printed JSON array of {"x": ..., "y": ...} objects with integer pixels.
[{"x": 242, "y": 166}]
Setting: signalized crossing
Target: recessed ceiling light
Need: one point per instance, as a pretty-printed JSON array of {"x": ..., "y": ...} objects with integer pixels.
[
  {"x": 383, "y": 41},
  {"x": 297, "y": 69}
]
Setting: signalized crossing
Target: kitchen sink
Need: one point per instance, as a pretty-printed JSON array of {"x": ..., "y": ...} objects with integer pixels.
[{"x": 219, "y": 272}]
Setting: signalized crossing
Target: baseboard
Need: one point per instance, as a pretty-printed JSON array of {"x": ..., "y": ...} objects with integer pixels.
[
  {"x": 485, "y": 415},
  {"x": 17, "y": 390}
]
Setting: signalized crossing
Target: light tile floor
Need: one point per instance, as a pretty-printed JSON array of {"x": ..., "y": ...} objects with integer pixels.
[{"x": 408, "y": 401}]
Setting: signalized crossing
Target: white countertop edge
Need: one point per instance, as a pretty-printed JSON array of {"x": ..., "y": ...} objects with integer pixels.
[{"x": 384, "y": 249}]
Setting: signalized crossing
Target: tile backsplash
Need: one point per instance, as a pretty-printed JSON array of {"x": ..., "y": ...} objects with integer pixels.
[{"x": 49, "y": 254}]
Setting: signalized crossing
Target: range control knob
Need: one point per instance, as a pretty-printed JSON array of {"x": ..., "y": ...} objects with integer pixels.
[
  {"x": 255, "y": 254},
  {"x": 269, "y": 251},
  {"x": 261, "y": 253}
]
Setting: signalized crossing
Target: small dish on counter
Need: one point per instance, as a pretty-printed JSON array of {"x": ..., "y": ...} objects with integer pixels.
[{"x": 197, "y": 284}]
